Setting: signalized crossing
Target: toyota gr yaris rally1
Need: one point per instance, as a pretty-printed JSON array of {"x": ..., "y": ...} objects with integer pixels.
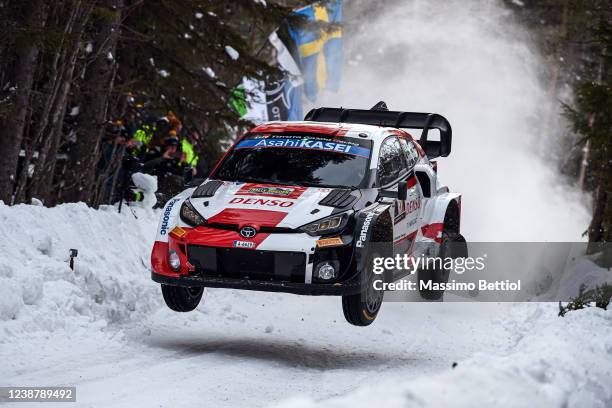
[{"x": 305, "y": 207}]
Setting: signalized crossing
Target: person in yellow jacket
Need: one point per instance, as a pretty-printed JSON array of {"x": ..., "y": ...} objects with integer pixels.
[
  {"x": 142, "y": 138},
  {"x": 188, "y": 146}
]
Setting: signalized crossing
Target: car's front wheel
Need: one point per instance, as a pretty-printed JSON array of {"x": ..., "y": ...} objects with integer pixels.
[
  {"x": 360, "y": 309},
  {"x": 182, "y": 299}
]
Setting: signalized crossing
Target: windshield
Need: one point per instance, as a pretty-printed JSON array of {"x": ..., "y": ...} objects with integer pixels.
[{"x": 308, "y": 160}]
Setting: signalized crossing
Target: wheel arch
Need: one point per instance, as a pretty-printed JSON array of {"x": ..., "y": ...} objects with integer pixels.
[
  {"x": 443, "y": 209},
  {"x": 169, "y": 217},
  {"x": 374, "y": 224}
]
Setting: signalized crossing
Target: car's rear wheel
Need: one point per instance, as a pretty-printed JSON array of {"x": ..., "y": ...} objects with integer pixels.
[
  {"x": 360, "y": 309},
  {"x": 438, "y": 273},
  {"x": 182, "y": 299}
]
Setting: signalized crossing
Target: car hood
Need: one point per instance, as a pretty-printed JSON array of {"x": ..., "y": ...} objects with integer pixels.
[{"x": 264, "y": 205}]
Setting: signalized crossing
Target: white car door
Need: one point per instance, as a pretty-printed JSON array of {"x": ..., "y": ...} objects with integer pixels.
[{"x": 392, "y": 168}]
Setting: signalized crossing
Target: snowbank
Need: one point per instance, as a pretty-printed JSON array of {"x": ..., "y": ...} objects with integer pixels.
[
  {"x": 110, "y": 282},
  {"x": 556, "y": 362}
]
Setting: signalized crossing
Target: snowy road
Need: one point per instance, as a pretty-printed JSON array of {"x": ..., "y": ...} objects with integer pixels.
[{"x": 252, "y": 349}]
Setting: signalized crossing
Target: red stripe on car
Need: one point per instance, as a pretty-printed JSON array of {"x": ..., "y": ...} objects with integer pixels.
[
  {"x": 411, "y": 182},
  {"x": 433, "y": 231},
  {"x": 247, "y": 216},
  {"x": 208, "y": 236}
]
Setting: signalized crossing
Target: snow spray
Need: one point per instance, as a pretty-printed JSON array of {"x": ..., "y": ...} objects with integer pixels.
[{"x": 473, "y": 63}]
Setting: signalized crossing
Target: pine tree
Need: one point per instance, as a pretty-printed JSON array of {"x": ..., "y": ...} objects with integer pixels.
[{"x": 592, "y": 119}]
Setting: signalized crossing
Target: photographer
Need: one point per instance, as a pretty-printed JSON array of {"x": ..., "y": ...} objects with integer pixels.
[
  {"x": 111, "y": 169},
  {"x": 166, "y": 165}
]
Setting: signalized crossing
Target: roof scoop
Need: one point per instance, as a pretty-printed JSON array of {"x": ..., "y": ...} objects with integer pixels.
[{"x": 380, "y": 106}]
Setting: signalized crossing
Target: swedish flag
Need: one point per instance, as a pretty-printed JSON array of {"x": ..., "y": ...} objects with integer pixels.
[{"x": 320, "y": 51}]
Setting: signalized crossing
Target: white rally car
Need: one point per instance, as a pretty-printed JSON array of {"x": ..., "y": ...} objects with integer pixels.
[{"x": 304, "y": 207}]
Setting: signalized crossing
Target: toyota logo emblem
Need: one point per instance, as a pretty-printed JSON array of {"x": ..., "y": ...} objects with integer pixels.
[{"x": 248, "y": 232}]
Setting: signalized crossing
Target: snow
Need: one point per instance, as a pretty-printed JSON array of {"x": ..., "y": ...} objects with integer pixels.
[
  {"x": 163, "y": 73},
  {"x": 147, "y": 184},
  {"x": 582, "y": 271},
  {"x": 209, "y": 71},
  {"x": 104, "y": 329},
  {"x": 555, "y": 362},
  {"x": 233, "y": 54},
  {"x": 199, "y": 15},
  {"x": 34, "y": 265}
]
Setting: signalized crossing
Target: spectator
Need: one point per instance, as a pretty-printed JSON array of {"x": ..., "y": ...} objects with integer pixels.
[
  {"x": 112, "y": 152},
  {"x": 164, "y": 161},
  {"x": 165, "y": 164},
  {"x": 188, "y": 147}
]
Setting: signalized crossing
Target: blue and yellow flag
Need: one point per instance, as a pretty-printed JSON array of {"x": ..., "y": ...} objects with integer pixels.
[{"x": 320, "y": 51}]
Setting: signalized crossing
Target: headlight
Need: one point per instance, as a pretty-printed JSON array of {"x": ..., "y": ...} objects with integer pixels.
[
  {"x": 328, "y": 225},
  {"x": 190, "y": 215},
  {"x": 174, "y": 260}
]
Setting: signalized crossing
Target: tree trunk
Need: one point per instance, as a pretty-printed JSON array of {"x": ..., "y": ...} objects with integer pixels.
[
  {"x": 600, "y": 228},
  {"x": 43, "y": 179},
  {"x": 56, "y": 109},
  {"x": 12, "y": 127},
  {"x": 96, "y": 88}
]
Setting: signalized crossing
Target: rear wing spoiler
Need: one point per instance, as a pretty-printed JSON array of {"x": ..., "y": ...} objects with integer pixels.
[{"x": 395, "y": 119}]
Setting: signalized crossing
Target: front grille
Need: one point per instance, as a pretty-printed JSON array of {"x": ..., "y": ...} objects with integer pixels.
[{"x": 241, "y": 263}]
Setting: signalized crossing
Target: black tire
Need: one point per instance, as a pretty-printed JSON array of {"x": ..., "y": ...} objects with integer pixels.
[
  {"x": 360, "y": 309},
  {"x": 435, "y": 274},
  {"x": 439, "y": 274},
  {"x": 182, "y": 299}
]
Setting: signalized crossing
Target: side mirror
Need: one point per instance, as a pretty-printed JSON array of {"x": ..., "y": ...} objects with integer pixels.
[{"x": 402, "y": 190}]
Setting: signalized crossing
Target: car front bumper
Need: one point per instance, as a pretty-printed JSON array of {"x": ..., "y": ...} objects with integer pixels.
[
  {"x": 313, "y": 289},
  {"x": 208, "y": 259}
]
